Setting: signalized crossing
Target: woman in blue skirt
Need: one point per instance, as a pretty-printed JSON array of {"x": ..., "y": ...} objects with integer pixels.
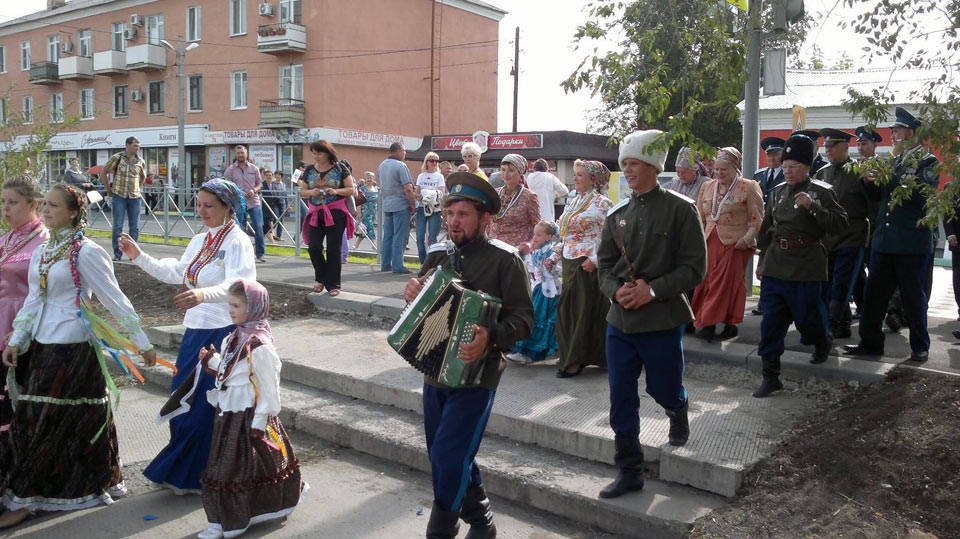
[{"x": 213, "y": 261}]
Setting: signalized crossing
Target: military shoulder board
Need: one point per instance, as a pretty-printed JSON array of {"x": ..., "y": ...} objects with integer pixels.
[
  {"x": 823, "y": 184},
  {"x": 502, "y": 245},
  {"x": 619, "y": 205}
]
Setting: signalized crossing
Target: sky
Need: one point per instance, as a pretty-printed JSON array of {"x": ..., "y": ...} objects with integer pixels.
[{"x": 547, "y": 56}]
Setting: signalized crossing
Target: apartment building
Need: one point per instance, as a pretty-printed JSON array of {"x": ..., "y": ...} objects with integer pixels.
[{"x": 272, "y": 74}]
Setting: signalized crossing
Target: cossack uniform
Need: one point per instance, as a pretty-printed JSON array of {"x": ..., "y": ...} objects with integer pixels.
[{"x": 770, "y": 177}]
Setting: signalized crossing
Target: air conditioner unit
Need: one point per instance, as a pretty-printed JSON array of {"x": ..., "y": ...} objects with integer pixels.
[
  {"x": 266, "y": 9},
  {"x": 66, "y": 46},
  {"x": 136, "y": 20},
  {"x": 136, "y": 95},
  {"x": 130, "y": 34}
]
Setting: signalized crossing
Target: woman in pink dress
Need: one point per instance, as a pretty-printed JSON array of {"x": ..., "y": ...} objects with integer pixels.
[
  {"x": 519, "y": 206},
  {"x": 20, "y": 199}
]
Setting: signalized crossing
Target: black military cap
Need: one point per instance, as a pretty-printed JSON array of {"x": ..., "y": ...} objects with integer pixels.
[
  {"x": 832, "y": 136},
  {"x": 812, "y": 134},
  {"x": 469, "y": 186},
  {"x": 799, "y": 148},
  {"x": 772, "y": 144},
  {"x": 905, "y": 119},
  {"x": 868, "y": 133}
]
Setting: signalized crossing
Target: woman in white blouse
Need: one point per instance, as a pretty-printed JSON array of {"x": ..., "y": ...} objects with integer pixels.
[
  {"x": 211, "y": 263},
  {"x": 62, "y": 452}
]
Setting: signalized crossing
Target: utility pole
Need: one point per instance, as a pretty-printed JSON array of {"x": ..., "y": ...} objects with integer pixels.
[
  {"x": 181, "y": 53},
  {"x": 751, "y": 105},
  {"x": 516, "y": 76}
]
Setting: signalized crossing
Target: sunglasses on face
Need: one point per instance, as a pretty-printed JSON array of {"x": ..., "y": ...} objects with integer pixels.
[{"x": 433, "y": 160}]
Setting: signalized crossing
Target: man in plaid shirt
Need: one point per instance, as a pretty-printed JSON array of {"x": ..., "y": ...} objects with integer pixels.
[{"x": 129, "y": 172}]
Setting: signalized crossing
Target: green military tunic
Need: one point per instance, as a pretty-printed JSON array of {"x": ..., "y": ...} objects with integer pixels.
[
  {"x": 853, "y": 198},
  {"x": 663, "y": 238},
  {"x": 790, "y": 239},
  {"x": 495, "y": 268}
]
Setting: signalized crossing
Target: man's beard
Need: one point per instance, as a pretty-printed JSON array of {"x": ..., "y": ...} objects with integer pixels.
[{"x": 466, "y": 238}]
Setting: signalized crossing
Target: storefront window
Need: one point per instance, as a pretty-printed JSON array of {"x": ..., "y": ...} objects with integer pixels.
[
  {"x": 156, "y": 159},
  {"x": 56, "y": 166},
  {"x": 290, "y": 155},
  {"x": 87, "y": 159}
]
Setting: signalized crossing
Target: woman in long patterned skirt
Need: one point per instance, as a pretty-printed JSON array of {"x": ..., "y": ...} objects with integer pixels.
[
  {"x": 20, "y": 200},
  {"x": 212, "y": 261},
  {"x": 62, "y": 453}
]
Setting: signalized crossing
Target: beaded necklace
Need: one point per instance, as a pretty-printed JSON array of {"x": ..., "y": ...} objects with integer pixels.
[
  {"x": 717, "y": 205},
  {"x": 12, "y": 249},
  {"x": 567, "y": 217},
  {"x": 54, "y": 250},
  {"x": 513, "y": 202},
  {"x": 205, "y": 255}
]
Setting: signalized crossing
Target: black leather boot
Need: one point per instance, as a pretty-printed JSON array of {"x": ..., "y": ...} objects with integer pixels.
[
  {"x": 477, "y": 513},
  {"x": 822, "y": 351},
  {"x": 443, "y": 524},
  {"x": 771, "y": 377},
  {"x": 629, "y": 458},
  {"x": 679, "y": 425}
]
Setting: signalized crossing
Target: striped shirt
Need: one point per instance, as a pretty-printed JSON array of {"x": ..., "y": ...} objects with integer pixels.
[{"x": 129, "y": 173}]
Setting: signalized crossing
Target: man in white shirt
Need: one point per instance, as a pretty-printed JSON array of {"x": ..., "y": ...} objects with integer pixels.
[{"x": 547, "y": 187}]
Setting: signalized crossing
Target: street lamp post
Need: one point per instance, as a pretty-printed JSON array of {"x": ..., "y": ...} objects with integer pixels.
[{"x": 181, "y": 51}]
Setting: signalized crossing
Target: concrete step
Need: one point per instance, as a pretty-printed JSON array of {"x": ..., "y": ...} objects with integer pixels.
[
  {"x": 557, "y": 483},
  {"x": 730, "y": 430}
]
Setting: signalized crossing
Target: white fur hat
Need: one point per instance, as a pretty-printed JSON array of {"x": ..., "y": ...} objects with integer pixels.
[{"x": 636, "y": 145}]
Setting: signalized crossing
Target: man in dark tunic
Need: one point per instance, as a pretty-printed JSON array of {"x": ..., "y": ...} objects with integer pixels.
[
  {"x": 454, "y": 418},
  {"x": 771, "y": 175},
  {"x": 793, "y": 262},
  {"x": 651, "y": 251},
  {"x": 845, "y": 250},
  {"x": 818, "y": 160}
]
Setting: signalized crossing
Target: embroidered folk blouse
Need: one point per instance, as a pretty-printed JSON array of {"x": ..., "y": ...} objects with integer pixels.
[
  {"x": 54, "y": 320},
  {"x": 737, "y": 216},
  {"x": 515, "y": 226},
  {"x": 584, "y": 224},
  {"x": 13, "y": 273},
  {"x": 237, "y": 393},
  {"x": 233, "y": 261}
]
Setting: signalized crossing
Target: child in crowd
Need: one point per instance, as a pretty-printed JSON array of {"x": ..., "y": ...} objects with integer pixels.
[
  {"x": 545, "y": 283},
  {"x": 252, "y": 474}
]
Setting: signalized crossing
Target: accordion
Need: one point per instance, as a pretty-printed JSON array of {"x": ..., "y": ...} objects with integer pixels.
[{"x": 431, "y": 329}]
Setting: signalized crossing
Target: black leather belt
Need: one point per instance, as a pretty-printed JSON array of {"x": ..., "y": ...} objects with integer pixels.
[{"x": 795, "y": 243}]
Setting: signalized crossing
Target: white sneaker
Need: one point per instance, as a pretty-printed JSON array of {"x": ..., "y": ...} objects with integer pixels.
[
  {"x": 518, "y": 358},
  {"x": 214, "y": 531}
]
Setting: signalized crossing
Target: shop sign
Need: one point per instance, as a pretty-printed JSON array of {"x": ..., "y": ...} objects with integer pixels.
[
  {"x": 149, "y": 137},
  {"x": 487, "y": 141},
  {"x": 367, "y": 139},
  {"x": 264, "y": 155}
]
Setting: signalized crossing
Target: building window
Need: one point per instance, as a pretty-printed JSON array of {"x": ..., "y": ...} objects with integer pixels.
[
  {"x": 155, "y": 96},
  {"x": 195, "y": 93},
  {"x": 86, "y": 104},
  {"x": 290, "y": 11},
  {"x": 53, "y": 48},
  {"x": 291, "y": 83},
  {"x": 84, "y": 43},
  {"x": 154, "y": 29},
  {"x": 238, "y": 92},
  {"x": 120, "y": 101},
  {"x": 3, "y": 59},
  {"x": 117, "y": 30},
  {"x": 193, "y": 23},
  {"x": 56, "y": 108},
  {"x": 3, "y": 111},
  {"x": 238, "y": 17},
  {"x": 28, "y": 109},
  {"x": 24, "y": 55}
]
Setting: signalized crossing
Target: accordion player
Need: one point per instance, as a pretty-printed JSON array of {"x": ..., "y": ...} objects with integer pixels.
[{"x": 431, "y": 329}]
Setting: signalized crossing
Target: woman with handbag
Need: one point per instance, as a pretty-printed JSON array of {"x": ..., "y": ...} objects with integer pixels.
[
  {"x": 327, "y": 183},
  {"x": 428, "y": 225}
]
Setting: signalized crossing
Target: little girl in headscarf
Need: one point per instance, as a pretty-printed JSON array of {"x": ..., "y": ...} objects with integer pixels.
[
  {"x": 545, "y": 284},
  {"x": 252, "y": 474}
]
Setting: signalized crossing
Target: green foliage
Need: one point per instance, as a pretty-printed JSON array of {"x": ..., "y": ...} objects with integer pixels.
[
  {"x": 919, "y": 34},
  {"x": 22, "y": 144},
  {"x": 678, "y": 66}
]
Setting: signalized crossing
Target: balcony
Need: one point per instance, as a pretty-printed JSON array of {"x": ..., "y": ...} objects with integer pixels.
[
  {"x": 76, "y": 67},
  {"x": 281, "y": 38},
  {"x": 44, "y": 73},
  {"x": 146, "y": 57},
  {"x": 281, "y": 113},
  {"x": 110, "y": 63}
]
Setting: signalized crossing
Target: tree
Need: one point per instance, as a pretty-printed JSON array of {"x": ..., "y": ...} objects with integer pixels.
[
  {"x": 914, "y": 34},
  {"x": 679, "y": 66},
  {"x": 23, "y": 143}
]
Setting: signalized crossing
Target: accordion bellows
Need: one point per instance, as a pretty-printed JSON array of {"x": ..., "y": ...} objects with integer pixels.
[{"x": 431, "y": 329}]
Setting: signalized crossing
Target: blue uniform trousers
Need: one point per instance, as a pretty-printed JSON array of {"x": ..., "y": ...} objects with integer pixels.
[
  {"x": 887, "y": 273},
  {"x": 454, "y": 421},
  {"x": 661, "y": 352},
  {"x": 783, "y": 302}
]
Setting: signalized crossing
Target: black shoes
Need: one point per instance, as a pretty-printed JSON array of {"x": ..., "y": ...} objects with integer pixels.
[
  {"x": 706, "y": 333},
  {"x": 565, "y": 374},
  {"x": 821, "y": 352},
  {"x": 629, "y": 457},
  {"x": 920, "y": 357},
  {"x": 679, "y": 426},
  {"x": 756, "y": 312},
  {"x": 625, "y": 482},
  {"x": 769, "y": 385},
  {"x": 861, "y": 350},
  {"x": 893, "y": 322},
  {"x": 477, "y": 513},
  {"x": 443, "y": 524},
  {"x": 728, "y": 332},
  {"x": 956, "y": 334}
]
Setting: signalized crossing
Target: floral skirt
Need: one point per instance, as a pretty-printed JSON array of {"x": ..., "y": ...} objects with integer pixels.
[
  {"x": 249, "y": 480},
  {"x": 51, "y": 461}
]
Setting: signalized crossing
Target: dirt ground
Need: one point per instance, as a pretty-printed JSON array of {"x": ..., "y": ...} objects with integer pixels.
[
  {"x": 880, "y": 462},
  {"x": 153, "y": 300}
]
